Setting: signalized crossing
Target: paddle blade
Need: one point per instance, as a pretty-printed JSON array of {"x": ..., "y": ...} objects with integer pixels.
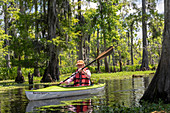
[{"x": 105, "y": 53}]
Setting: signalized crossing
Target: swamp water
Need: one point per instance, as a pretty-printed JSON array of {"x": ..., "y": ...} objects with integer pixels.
[{"x": 125, "y": 92}]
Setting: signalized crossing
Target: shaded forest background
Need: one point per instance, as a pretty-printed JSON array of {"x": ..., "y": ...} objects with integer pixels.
[{"x": 49, "y": 36}]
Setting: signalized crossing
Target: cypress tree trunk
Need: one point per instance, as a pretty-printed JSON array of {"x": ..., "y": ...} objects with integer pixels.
[
  {"x": 145, "y": 63},
  {"x": 159, "y": 87},
  {"x": 98, "y": 63},
  {"x": 72, "y": 53},
  {"x": 53, "y": 50},
  {"x": 85, "y": 47},
  {"x": 113, "y": 57},
  {"x": 131, "y": 30},
  {"x": 52, "y": 21},
  {"x": 80, "y": 42},
  {"x": 88, "y": 49},
  {"x": 36, "y": 70},
  {"x": 43, "y": 25},
  {"x": 19, "y": 78},
  {"x": 7, "y": 57},
  {"x": 57, "y": 68},
  {"x": 104, "y": 36},
  {"x": 105, "y": 59},
  {"x": 128, "y": 61},
  {"x": 120, "y": 61}
]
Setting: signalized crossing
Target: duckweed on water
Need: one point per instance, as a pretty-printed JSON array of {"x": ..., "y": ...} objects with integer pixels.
[
  {"x": 6, "y": 88},
  {"x": 147, "y": 108},
  {"x": 144, "y": 108}
]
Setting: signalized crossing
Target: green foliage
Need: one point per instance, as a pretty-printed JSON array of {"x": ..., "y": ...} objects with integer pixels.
[
  {"x": 27, "y": 32},
  {"x": 11, "y": 73},
  {"x": 67, "y": 70}
]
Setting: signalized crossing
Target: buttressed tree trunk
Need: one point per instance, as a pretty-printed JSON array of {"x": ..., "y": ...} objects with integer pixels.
[
  {"x": 144, "y": 65},
  {"x": 159, "y": 87},
  {"x": 52, "y": 23}
]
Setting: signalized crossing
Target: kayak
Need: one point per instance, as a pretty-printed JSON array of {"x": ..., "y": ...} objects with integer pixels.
[{"x": 59, "y": 91}]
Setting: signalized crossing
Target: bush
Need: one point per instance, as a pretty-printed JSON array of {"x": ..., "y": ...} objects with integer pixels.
[
  {"x": 92, "y": 69},
  {"x": 65, "y": 70},
  {"x": 11, "y": 73}
]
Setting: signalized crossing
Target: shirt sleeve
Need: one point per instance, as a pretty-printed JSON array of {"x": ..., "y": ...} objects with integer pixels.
[{"x": 88, "y": 73}]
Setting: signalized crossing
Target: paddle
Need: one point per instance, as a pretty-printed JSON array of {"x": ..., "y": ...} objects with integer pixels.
[{"x": 101, "y": 56}]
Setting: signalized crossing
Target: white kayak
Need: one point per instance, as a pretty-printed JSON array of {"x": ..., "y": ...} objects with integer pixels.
[{"x": 58, "y": 91}]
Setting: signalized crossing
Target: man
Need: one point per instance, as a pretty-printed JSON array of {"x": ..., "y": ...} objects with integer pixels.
[{"x": 82, "y": 78}]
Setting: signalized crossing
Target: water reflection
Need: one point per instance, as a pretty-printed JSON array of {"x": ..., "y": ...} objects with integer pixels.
[
  {"x": 74, "y": 104},
  {"x": 84, "y": 106},
  {"x": 126, "y": 91},
  {"x": 146, "y": 82}
]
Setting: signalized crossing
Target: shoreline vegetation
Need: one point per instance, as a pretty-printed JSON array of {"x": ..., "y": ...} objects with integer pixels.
[{"x": 95, "y": 77}]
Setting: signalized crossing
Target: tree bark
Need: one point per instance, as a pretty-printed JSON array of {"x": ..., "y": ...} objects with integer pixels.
[
  {"x": 36, "y": 70},
  {"x": 98, "y": 63},
  {"x": 88, "y": 49},
  {"x": 43, "y": 25},
  {"x": 7, "y": 57},
  {"x": 36, "y": 21},
  {"x": 104, "y": 37},
  {"x": 159, "y": 87},
  {"x": 30, "y": 79},
  {"x": 53, "y": 50},
  {"x": 105, "y": 60},
  {"x": 131, "y": 31},
  {"x": 113, "y": 55},
  {"x": 128, "y": 61},
  {"x": 80, "y": 42},
  {"x": 120, "y": 61},
  {"x": 145, "y": 63},
  {"x": 106, "y": 63},
  {"x": 19, "y": 78},
  {"x": 85, "y": 46},
  {"x": 72, "y": 53}
]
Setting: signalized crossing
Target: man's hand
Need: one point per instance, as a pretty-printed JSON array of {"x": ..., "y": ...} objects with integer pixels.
[
  {"x": 80, "y": 70},
  {"x": 85, "y": 72}
]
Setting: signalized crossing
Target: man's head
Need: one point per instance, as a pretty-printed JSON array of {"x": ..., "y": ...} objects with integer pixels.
[{"x": 80, "y": 64}]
